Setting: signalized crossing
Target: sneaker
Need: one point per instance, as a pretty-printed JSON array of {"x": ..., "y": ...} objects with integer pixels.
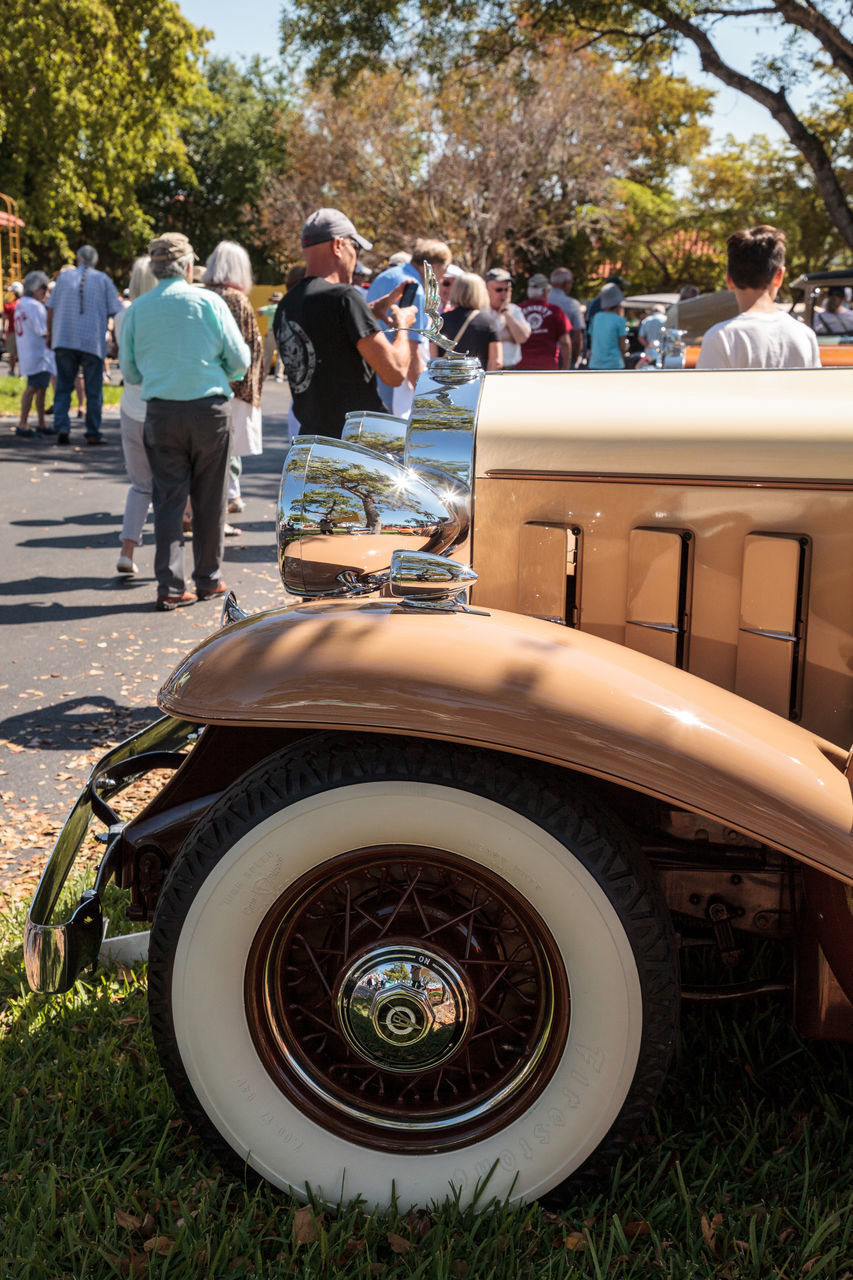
[
  {"x": 165, "y": 604},
  {"x": 95, "y": 439},
  {"x": 219, "y": 590},
  {"x": 24, "y": 431},
  {"x": 46, "y": 430},
  {"x": 232, "y": 532},
  {"x": 62, "y": 438},
  {"x": 235, "y": 505},
  {"x": 124, "y": 564}
]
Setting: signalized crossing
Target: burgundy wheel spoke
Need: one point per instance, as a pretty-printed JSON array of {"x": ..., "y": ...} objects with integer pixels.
[{"x": 407, "y": 999}]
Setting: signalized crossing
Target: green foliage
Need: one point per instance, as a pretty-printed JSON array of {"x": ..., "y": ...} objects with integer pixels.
[
  {"x": 235, "y": 142},
  {"x": 747, "y": 184},
  {"x": 91, "y": 96},
  {"x": 816, "y": 52}
]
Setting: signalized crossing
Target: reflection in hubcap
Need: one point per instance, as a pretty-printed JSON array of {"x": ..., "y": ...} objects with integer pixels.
[
  {"x": 402, "y": 1009},
  {"x": 406, "y": 998}
]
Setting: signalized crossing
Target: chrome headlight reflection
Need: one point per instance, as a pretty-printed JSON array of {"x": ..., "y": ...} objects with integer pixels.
[
  {"x": 382, "y": 432},
  {"x": 343, "y": 510}
]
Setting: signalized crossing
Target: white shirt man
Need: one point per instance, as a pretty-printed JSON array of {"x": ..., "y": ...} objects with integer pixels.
[
  {"x": 512, "y": 326},
  {"x": 759, "y": 336}
]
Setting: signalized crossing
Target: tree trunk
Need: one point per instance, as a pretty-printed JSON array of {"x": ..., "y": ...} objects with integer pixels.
[{"x": 776, "y": 102}]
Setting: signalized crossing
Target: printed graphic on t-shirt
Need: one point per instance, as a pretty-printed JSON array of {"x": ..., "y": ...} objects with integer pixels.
[{"x": 297, "y": 355}]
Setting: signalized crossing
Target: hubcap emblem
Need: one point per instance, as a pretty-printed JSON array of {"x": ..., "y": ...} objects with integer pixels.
[{"x": 402, "y": 1010}]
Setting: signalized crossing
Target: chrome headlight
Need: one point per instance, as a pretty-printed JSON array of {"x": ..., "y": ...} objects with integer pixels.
[
  {"x": 343, "y": 510},
  {"x": 382, "y": 432}
]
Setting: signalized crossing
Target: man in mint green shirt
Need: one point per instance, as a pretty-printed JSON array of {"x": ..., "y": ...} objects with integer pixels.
[{"x": 183, "y": 346}]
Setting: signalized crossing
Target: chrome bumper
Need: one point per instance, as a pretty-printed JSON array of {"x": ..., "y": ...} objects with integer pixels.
[{"x": 56, "y": 954}]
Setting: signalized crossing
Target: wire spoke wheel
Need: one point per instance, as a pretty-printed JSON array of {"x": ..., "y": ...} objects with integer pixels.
[
  {"x": 407, "y": 998},
  {"x": 394, "y": 969}
]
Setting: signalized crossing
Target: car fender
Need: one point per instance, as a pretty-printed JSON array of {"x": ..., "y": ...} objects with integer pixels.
[{"x": 522, "y": 685}]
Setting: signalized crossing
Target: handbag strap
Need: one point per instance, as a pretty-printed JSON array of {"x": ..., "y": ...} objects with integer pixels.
[{"x": 468, "y": 320}]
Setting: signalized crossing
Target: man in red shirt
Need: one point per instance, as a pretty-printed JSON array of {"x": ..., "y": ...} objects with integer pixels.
[{"x": 549, "y": 330}]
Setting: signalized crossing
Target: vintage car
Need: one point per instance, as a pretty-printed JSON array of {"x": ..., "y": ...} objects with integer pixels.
[{"x": 565, "y": 694}]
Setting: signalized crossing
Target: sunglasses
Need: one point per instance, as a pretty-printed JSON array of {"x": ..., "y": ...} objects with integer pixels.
[{"x": 501, "y": 288}]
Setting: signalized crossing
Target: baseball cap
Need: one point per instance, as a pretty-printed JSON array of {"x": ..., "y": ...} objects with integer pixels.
[
  {"x": 169, "y": 247},
  {"x": 538, "y": 281},
  {"x": 611, "y": 296},
  {"x": 451, "y": 271},
  {"x": 497, "y": 273},
  {"x": 16, "y": 287},
  {"x": 399, "y": 259},
  {"x": 328, "y": 224}
]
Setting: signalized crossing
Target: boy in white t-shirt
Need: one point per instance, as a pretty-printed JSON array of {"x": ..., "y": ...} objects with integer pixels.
[
  {"x": 35, "y": 357},
  {"x": 760, "y": 336}
]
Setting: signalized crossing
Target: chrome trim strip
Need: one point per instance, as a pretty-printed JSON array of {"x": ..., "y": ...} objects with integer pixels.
[
  {"x": 653, "y": 626},
  {"x": 54, "y": 955},
  {"x": 771, "y": 635}
]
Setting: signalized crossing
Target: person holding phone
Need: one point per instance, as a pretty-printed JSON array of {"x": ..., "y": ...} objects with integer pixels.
[
  {"x": 332, "y": 345},
  {"x": 399, "y": 400}
]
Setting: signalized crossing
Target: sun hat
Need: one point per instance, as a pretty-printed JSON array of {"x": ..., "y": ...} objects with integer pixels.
[
  {"x": 169, "y": 247},
  {"x": 497, "y": 273},
  {"x": 611, "y": 296}
]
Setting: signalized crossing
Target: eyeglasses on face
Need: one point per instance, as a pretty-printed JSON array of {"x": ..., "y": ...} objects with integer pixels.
[{"x": 501, "y": 288}]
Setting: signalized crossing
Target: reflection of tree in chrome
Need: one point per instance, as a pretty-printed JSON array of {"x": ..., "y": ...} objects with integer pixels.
[
  {"x": 435, "y": 416},
  {"x": 345, "y": 493}
]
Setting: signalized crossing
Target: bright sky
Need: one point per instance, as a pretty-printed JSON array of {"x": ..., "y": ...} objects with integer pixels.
[{"x": 251, "y": 27}]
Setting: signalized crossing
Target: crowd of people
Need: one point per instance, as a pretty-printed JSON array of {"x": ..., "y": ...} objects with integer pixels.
[{"x": 193, "y": 361}]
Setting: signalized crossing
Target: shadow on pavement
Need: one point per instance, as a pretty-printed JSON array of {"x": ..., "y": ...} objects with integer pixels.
[
  {"x": 51, "y": 586},
  {"x": 76, "y": 722}
]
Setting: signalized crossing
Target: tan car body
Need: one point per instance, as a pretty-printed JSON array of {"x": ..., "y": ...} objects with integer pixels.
[
  {"x": 701, "y": 521},
  {"x": 644, "y": 720}
]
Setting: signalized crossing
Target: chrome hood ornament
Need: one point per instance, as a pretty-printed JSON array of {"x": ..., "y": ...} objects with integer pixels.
[{"x": 424, "y": 581}]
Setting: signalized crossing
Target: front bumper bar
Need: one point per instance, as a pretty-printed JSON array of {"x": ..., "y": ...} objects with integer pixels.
[{"x": 56, "y": 954}]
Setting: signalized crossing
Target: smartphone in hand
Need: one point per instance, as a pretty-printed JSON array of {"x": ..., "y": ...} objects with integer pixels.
[{"x": 410, "y": 292}]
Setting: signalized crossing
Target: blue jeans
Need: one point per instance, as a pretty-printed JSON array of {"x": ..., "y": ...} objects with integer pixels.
[{"x": 67, "y": 362}]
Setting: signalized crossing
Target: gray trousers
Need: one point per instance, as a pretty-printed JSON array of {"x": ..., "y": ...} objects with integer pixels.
[{"x": 188, "y": 443}]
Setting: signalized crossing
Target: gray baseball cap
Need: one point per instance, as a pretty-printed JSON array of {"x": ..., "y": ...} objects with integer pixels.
[{"x": 328, "y": 224}]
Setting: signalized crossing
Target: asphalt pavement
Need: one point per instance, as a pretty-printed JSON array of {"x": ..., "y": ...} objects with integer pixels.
[{"x": 83, "y": 649}]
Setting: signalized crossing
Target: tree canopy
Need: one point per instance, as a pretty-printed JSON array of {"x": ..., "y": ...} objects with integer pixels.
[
  {"x": 504, "y": 167},
  {"x": 91, "y": 98},
  {"x": 816, "y": 51},
  {"x": 235, "y": 143}
]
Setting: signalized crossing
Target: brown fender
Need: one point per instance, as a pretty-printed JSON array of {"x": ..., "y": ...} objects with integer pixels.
[{"x": 520, "y": 685}]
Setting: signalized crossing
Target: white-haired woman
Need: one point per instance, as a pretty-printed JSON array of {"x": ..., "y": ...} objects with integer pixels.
[
  {"x": 471, "y": 323},
  {"x": 132, "y": 419},
  {"x": 228, "y": 272}
]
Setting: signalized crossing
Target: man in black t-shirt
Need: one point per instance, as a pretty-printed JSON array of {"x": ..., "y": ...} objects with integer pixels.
[{"x": 331, "y": 343}]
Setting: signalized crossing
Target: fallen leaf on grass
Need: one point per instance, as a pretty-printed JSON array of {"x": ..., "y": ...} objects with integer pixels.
[
  {"x": 709, "y": 1230},
  {"x": 398, "y": 1243},
  {"x": 128, "y": 1221},
  {"x": 633, "y": 1229},
  {"x": 159, "y": 1244},
  {"x": 149, "y": 1226},
  {"x": 305, "y": 1225},
  {"x": 575, "y": 1240}
]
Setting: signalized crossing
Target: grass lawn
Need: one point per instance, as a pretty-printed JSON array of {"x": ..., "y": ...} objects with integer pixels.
[
  {"x": 745, "y": 1168},
  {"x": 11, "y": 390}
]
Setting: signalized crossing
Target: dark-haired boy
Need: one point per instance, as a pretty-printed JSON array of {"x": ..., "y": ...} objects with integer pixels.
[{"x": 760, "y": 336}]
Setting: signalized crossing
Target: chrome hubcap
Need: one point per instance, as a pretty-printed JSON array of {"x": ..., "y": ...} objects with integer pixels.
[{"x": 403, "y": 1009}]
